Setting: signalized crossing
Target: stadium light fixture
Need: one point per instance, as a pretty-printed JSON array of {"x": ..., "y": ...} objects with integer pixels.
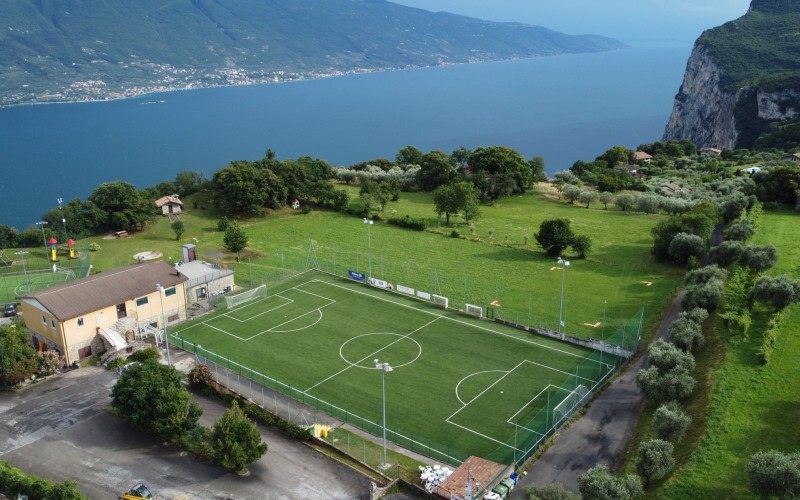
[
  {"x": 383, "y": 367},
  {"x": 164, "y": 320},
  {"x": 369, "y": 223},
  {"x": 44, "y": 240},
  {"x": 564, "y": 265}
]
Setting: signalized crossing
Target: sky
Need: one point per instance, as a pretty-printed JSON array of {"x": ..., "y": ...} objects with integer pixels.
[{"x": 639, "y": 23}]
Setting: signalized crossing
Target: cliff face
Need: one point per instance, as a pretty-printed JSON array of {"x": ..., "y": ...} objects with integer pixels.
[
  {"x": 740, "y": 78},
  {"x": 703, "y": 112}
]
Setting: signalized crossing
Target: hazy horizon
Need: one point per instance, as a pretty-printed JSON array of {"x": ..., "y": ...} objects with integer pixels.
[{"x": 654, "y": 23}]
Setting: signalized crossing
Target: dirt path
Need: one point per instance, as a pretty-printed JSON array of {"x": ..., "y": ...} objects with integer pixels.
[{"x": 600, "y": 436}]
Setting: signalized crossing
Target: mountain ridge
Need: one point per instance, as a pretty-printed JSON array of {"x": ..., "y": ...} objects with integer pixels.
[{"x": 68, "y": 50}]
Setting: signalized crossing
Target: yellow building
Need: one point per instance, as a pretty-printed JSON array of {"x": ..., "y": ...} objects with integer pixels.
[{"x": 106, "y": 310}]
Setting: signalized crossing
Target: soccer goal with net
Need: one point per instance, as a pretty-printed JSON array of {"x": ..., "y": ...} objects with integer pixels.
[
  {"x": 440, "y": 301},
  {"x": 473, "y": 310},
  {"x": 568, "y": 405},
  {"x": 256, "y": 293}
]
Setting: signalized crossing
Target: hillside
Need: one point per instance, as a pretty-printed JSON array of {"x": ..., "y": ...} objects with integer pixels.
[
  {"x": 742, "y": 82},
  {"x": 72, "y": 50}
]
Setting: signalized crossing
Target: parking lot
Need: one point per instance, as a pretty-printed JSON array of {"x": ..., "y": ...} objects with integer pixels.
[{"x": 61, "y": 429}]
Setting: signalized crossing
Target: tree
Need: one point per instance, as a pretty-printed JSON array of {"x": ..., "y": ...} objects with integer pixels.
[
  {"x": 587, "y": 197},
  {"x": 684, "y": 246},
  {"x": 552, "y": 491},
  {"x": 670, "y": 422},
  {"x": 740, "y": 230},
  {"x": 571, "y": 193},
  {"x": 179, "y": 228},
  {"x": 409, "y": 155},
  {"x": 625, "y": 202},
  {"x": 667, "y": 376},
  {"x": 598, "y": 484},
  {"x": 187, "y": 182},
  {"x": 537, "y": 169},
  {"x": 436, "y": 169},
  {"x": 9, "y": 237},
  {"x": 705, "y": 296},
  {"x": 665, "y": 357},
  {"x": 451, "y": 199},
  {"x": 17, "y": 357},
  {"x": 499, "y": 171},
  {"x": 235, "y": 239},
  {"x": 655, "y": 459},
  {"x": 554, "y": 236},
  {"x": 759, "y": 258},
  {"x": 150, "y": 395},
  {"x": 648, "y": 203},
  {"x": 617, "y": 155},
  {"x": 564, "y": 178},
  {"x": 726, "y": 253},
  {"x": 581, "y": 245},
  {"x": 774, "y": 474},
  {"x": 235, "y": 441},
  {"x": 245, "y": 188},
  {"x": 686, "y": 331},
  {"x": 122, "y": 206},
  {"x": 606, "y": 198},
  {"x": 777, "y": 291}
]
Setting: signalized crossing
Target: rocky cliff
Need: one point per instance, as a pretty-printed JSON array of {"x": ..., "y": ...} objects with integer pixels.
[{"x": 740, "y": 80}]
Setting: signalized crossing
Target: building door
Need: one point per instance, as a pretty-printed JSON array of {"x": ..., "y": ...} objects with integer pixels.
[{"x": 121, "y": 312}]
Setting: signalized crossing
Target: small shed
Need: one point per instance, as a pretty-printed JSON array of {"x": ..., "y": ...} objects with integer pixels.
[
  {"x": 477, "y": 474},
  {"x": 206, "y": 281},
  {"x": 642, "y": 156},
  {"x": 170, "y": 204}
]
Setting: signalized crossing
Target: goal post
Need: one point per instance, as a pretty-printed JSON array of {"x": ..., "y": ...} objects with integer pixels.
[
  {"x": 256, "y": 293},
  {"x": 439, "y": 300},
  {"x": 473, "y": 310},
  {"x": 568, "y": 405}
]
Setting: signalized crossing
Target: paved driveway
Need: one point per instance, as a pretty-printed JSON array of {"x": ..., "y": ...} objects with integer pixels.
[{"x": 60, "y": 429}]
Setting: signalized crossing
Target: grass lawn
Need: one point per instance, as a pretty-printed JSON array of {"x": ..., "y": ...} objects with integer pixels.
[
  {"x": 459, "y": 386},
  {"x": 741, "y": 407}
]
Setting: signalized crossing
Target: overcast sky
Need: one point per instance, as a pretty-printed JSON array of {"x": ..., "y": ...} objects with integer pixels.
[{"x": 640, "y": 23}]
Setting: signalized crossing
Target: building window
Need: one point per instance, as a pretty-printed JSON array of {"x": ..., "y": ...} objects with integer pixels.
[
  {"x": 52, "y": 324},
  {"x": 80, "y": 321},
  {"x": 169, "y": 291},
  {"x": 141, "y": 301},
  {"x": 173, "y": 318},
  {"x": 44, "y": 320}
]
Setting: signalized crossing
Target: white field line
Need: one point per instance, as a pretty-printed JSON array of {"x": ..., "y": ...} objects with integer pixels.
[
  {"x": 289, "y": 301},
  {"x": 479, "y": 327},
  {"x": 369, "y": 356}
]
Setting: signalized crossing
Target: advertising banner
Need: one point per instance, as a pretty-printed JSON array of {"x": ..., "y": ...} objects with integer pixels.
[
  {"x": 405, "y": 289},
  {"x": 357, "y": 276},
  {"x": 380, "y": 284},
  {"x": 423, "y": 295}
]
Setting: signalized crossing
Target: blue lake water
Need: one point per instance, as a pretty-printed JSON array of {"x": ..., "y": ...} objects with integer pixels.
[{"x": 562, "y": 108}]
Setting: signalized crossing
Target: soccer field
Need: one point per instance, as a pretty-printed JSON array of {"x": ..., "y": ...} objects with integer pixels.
[{"x": 459, "y": 386}]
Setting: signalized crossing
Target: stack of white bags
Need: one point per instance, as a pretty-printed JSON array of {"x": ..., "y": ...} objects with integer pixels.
[{"x": 433, "y": 476}]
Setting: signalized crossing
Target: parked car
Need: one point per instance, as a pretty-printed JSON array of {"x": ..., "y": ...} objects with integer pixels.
[{"x": 11, "y": 310}]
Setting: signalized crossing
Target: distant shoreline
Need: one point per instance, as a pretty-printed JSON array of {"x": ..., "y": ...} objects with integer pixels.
[{"x": 138, "y": 92}]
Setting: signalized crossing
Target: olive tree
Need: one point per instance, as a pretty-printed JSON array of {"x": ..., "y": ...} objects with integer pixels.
[
  {"x": 599, "y": 484},
  {"x": 684, "y": 246},
  {"x": 668, "y": 375},
  {"x": 625, "y": 202},
  {"x": 587, "y": 197},
  {"x": 774, "y": 474},
  {"x": 655, "y": 459},
  {"x": 726, "y": 253},
  {"x": 670, "y": 422},
  {"x": 605, "y": 198},
  {"x": 740, "y": 230},
  {"x": 777, "y": 291},
  {"x": 686, "y": 331},
  {"x": 759, "y": 258}
]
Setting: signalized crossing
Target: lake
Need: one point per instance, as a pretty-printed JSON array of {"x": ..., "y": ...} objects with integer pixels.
[{"x": 562, "y": 108}]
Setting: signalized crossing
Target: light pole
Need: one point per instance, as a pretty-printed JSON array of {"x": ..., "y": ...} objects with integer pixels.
[
  {"x": 383, "y": 367},
  {"x": 369, "y": 223},
  {"x": 164, "y": 320},
  {"x": 63, "y": 219},
  {"x": 44, "y": 240},
  {"x": 564, "y": 265}
]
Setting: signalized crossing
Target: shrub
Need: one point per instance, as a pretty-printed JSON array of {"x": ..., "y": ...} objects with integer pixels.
[
  {"x": 223, "y": 224},
  {"x": 774, "y": 474},
  {"x": 409, "y": 223},
  {"x": 455, "y": 234},
  {"x": 49, "y": 362},
  {"x": 598, "y": 483},
  {"x": 201, "y": 376},
  {"x": 143, "y": 355},
  {"x": 94, "y": 247}
]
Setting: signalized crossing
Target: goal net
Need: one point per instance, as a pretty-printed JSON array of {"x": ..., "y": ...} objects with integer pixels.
[
  {"x": 440, "y": 301},
  {"x": 473, "y": 310},
  {"x": 258, "y": 292},
  {"x": 566, "y": 407}
]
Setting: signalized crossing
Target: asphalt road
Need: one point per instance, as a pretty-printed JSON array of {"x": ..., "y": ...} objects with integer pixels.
[{"x": 60, "y": 429}]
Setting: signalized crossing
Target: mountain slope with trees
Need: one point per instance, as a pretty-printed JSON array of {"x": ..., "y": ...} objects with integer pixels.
[{"x": 56, "y": 50}]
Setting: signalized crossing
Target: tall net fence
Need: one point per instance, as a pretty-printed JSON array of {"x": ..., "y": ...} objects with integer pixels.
[{"x": 30, "y": 269}]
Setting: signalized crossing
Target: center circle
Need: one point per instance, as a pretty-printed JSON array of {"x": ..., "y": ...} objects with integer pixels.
[{"x": 395, "y": 349}]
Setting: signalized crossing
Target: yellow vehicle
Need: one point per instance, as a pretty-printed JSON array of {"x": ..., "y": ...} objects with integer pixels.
[{"x": 138, "y": 492}]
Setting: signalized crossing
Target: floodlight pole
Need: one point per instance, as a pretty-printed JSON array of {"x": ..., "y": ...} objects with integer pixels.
[
  {"x": 369, "y": 223},
  {"x": 564, "y": 266},
  {"x": 164, "y": 320},
  {"x": 63, "y": 219},
  {"x": 383, "y": 367},
  {"x": 44, "y": 241}
]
